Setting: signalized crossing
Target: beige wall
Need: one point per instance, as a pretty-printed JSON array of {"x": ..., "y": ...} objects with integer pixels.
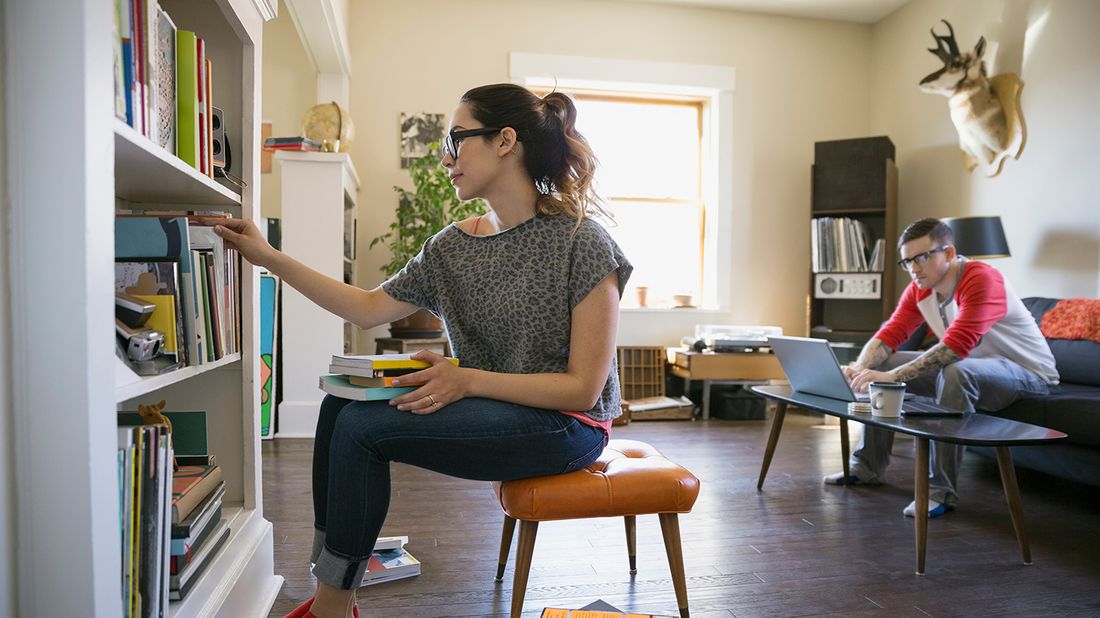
[
  {"x": 798, "y": 81},
  {"x": 1048, "y": 200},
  {"x": 289, "y": 89}
]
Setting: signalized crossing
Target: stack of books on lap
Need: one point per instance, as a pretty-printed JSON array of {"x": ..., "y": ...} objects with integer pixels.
[
  {"x": 303, "y": 144},
  {"x": 198, "y": 531},
  {"x": 369, "y": 377}
]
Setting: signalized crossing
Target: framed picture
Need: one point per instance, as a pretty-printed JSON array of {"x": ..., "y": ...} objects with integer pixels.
[{"x": 418, "y": 131}]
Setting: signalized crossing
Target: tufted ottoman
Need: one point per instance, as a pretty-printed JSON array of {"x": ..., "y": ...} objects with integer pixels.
[{"x": 630, "y": 478}]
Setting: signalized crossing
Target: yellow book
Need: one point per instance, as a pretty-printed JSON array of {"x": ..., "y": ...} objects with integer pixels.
[
  {"x": 163, "y": 318},
  {"x": 376, "y": 362}
]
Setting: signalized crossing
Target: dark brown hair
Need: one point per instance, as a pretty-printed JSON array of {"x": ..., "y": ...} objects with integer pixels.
[
  {"x": 556, "y": 156},
  {"x": 938, "y": 230}
]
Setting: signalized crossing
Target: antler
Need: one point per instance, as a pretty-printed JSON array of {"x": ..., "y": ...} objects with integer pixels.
[{"x": 946, "y": 47}]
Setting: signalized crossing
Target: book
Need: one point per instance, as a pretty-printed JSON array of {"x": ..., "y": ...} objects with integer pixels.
[
  {"x": 183, "y": 551},
  {"x": 389, "y": 565},
  {"x": 165, "y": 60},
  {"x": 375, "y": 362},
  {"x": 303, "y": 144},
  {"x": 181, "y": 584},
  {"x": 190, "y": 484},
  {"x": 596, "y": 609},
  {"x": 187, "y": 98},
  {"x": 339, "y": 386},
  {"x": 374, "y": 382},
  {"x": 188, "y": 432},
  {"x": 190, "y": 525}
]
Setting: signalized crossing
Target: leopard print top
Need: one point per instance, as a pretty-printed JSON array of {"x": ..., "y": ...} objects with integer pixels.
[{"x": 507, "y": 299}]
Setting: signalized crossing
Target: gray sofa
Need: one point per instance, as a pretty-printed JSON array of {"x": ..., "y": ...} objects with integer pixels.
[{"x": 1072, "y": 407}]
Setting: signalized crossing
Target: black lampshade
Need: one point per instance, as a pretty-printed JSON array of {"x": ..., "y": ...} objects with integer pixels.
[{"x": 979, "y": 237}]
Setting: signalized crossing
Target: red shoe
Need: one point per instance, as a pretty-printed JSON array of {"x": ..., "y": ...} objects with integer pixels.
[{"x": 302, "y": 611}]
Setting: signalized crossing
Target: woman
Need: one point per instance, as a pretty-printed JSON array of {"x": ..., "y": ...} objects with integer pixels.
[{"x": 529, "y": 293}]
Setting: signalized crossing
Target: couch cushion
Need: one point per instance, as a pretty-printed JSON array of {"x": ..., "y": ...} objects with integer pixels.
[
  {"x": 1072, "y": 408},
  {"x": 1078, "y": 361}
]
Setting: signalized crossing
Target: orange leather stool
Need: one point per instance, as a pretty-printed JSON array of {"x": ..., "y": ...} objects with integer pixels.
[{"x": 630, "y": 478}]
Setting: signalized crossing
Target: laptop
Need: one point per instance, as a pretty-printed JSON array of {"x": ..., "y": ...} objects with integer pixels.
[{"x": 811, "y": 367}]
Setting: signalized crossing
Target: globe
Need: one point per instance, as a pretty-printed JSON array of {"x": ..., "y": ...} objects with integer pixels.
[{"x": 329, "y": 124}]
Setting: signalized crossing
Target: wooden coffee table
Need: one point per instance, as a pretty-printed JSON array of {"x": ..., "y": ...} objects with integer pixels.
[{"x": 973, "y": 429}]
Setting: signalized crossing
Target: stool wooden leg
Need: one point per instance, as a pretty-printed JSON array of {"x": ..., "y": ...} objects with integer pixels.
[
  {"x": 524, "y": 551},
  {"x": 505, "y": 545},
  {"x": 631, "y": 546},
  {"x": 670, "y": 529},
  {"x": 1012, "y": 496}
]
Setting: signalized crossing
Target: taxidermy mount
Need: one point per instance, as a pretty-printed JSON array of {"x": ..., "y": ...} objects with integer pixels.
[{"x": 986, "y": 112}]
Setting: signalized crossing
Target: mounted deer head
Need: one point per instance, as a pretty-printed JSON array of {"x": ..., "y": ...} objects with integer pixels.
[{"x": 976, "y": 110}]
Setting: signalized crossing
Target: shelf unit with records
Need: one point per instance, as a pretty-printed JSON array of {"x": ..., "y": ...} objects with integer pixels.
[
  {"x": 853, "y": 239},
  {"x": 75, "y": 166}
]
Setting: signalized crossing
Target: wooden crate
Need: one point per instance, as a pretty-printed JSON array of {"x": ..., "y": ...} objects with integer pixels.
[{"x": 641, "y": 372}]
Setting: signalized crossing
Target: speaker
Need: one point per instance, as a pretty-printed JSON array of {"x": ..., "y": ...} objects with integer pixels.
[
  {"x": 217, "y": 135},
  {"x": 848, "y": 285}
]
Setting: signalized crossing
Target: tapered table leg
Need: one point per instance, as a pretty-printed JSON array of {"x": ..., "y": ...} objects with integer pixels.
[
  {"x": 1012, "y": 495},
  {"x": 670, "y": 529},
  {"x": 505, "y": 545},
  {"x": 844, "y": 448},
  {"x": 773, "y": 439},
  {"x": 920, "y": 499}
]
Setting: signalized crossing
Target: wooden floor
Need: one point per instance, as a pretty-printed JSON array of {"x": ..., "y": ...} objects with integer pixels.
[{"x": 797, "y": 548}]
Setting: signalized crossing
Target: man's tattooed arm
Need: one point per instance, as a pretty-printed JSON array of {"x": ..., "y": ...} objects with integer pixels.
[
  {"x": 936, "y": 358},
  {"x": 873, "y": 355}
]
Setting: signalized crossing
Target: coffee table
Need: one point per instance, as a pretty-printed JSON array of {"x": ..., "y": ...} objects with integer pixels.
[{"x": 973, "y": 429}]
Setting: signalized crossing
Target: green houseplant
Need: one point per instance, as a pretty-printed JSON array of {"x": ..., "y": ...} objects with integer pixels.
[{"x": 421, "y": 212}]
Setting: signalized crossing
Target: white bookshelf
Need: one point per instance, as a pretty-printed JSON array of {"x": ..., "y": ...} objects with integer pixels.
[
  {"x": 72, "y": 163},
  {"x": 319, "y": 192}
]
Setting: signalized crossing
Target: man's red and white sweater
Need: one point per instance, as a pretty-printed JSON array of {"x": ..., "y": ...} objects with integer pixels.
[{"x": 983, "y": 319}]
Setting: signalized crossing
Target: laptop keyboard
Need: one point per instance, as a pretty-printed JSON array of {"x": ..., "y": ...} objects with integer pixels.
[{"x": 922, "y": 406}]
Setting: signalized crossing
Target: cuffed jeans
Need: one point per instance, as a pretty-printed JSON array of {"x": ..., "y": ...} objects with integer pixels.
[
  {"x": 989, "y": 384},
  {"x": 478, "y": 439}
]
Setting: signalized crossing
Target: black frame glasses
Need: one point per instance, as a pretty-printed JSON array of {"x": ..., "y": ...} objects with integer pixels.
[
  {"x": 920, "y": 258},
  {"x": 453, "y": 139}
]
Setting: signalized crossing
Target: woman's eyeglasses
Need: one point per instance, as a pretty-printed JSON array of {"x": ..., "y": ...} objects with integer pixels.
[
  {"x": 920, "y": 259},
  {"x": 453, "y": 139}
]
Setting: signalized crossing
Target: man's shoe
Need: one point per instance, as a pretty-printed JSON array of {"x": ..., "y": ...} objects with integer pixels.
[
  {"x": 935, "y": 509},
  {"x": 838, "y": 479}
]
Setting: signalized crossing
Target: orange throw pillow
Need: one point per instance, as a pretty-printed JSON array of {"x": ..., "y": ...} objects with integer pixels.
[{"x": 1074, "y": 318}]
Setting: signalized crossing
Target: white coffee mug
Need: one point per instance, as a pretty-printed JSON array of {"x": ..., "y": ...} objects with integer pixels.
[{"x": 886, "y": 398}]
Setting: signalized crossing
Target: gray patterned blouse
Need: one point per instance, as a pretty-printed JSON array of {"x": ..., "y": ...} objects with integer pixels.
[{"x": 507, "y": 299}]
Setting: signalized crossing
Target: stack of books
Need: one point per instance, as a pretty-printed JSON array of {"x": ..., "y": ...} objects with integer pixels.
[
  {"x": 303, "y": 144},
  {"x": 198, "y": 531},
  {"x": 389, "y": 561},
  {"x": 144, "y": 480},
  {"x": 369, "y": 377}
]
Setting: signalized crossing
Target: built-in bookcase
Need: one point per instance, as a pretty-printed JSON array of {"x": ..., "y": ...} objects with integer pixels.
[{"x": 77, "y": 166}]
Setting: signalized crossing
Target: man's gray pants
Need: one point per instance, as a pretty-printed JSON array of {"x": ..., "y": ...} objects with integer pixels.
[{"x": 988, "y": 384}]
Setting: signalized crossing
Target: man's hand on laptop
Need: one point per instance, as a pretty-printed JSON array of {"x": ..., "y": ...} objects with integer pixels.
[{"x": 862, "y": 377}]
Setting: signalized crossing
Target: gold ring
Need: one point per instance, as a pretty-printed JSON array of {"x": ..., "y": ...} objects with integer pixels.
[{"x": 432, "y": 398}]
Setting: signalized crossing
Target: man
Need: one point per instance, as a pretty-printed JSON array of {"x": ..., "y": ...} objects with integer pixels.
[{"x": 990, "y": 353}]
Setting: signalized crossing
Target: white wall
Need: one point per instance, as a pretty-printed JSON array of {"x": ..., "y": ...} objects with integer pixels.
[
  {"x": 289, "y": 89},
  {"x": 8, "y": 601},
  {"x": 1048, "y": 200},
  {"x": 798, "y": 81}
]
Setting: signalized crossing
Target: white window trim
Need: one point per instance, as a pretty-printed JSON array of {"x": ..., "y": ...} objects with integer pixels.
[{"x": 715, "y": 84}]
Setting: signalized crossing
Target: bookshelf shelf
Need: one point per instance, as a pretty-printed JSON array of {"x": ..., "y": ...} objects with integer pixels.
[
  {"x": 163, "y": 177},
  {"x": 129, "y": 385}
]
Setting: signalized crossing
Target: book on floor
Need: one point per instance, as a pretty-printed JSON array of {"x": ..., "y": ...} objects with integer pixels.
[
  {"x": 595, "y": 609},
  {"x": 389, "y": 565}
]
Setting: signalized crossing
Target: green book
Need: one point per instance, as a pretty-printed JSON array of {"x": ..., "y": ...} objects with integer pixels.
[
  {"x": 188, "y": 430},
  {"x": 187, "y": 98},
  {"x": 341, "y": 387}
]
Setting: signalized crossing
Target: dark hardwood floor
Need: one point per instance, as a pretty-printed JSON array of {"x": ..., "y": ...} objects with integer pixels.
[{"x": 796, "y": 548}]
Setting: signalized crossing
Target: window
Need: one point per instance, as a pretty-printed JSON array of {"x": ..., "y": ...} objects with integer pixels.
[
  {"x": 650, "y": 176},
  {"x": 664, "y": 135}
]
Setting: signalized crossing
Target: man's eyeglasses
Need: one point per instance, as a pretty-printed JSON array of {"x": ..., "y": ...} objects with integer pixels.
[
  {"x": 453, "y": 139},
  {"x": 921, "y": 258}
]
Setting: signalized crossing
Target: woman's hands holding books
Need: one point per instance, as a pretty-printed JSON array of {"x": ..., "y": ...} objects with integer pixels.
[
  {"x": 440, "y": 384},
  {"x": 245, "y": 237}
]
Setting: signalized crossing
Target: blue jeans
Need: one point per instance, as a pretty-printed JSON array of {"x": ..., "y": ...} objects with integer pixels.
[
  {"x": 971, "y": 384},
  {"x": 478, "y": 439}
]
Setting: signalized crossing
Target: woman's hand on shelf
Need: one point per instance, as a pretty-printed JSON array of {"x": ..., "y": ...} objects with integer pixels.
[{"x": 245, "y": 237}]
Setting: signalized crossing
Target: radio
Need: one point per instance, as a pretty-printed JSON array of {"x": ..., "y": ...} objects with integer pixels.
[{"x": 848, "y": 285}]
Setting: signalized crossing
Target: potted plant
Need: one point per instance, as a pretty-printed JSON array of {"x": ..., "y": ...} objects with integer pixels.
[{"x": 428, "y": 208}]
